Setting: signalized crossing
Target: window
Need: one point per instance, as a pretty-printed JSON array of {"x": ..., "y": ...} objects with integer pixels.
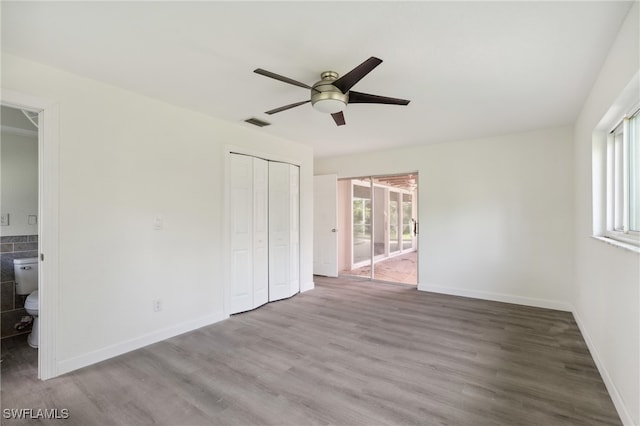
[{"x": 623, "y": 180}]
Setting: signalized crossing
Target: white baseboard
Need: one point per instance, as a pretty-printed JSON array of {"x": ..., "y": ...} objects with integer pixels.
[
  {"x": 624, "y": 414},
  {"x": 307, "y": 286},
  {"x": 498, "y": 297},
  {"x": 111, "y": 351}
]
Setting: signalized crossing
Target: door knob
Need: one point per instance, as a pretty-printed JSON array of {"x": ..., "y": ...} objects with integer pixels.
[{"x": 334, "y": 230}]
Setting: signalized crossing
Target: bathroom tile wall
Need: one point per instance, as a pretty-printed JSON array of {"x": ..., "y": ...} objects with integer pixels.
[{"x": 11, "y": 304}]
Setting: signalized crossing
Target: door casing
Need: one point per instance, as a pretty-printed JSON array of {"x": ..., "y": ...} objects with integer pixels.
[{"x": 48, "y": 223}]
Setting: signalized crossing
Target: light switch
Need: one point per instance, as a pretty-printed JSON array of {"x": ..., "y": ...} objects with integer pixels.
[
  {"x": 32, "y": 219},
  {"x": 157, "y": 223},
  {"x": 4, "y": 219}
]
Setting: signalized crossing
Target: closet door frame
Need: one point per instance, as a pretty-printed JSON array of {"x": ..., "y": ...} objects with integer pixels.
[{"x": 226, "y": 209}]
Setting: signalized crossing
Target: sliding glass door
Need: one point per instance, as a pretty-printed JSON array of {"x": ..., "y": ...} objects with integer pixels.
[
  {"x": 394, "y": 222},
  {"x": 380, "y": 249},
  {"x": 362, "y": 223},
  {"x": 383, "y": 226},
  {"x": 409, "y": 226}
]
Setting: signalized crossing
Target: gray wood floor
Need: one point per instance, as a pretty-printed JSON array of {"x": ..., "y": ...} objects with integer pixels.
[{"x": 347, "y": 353}]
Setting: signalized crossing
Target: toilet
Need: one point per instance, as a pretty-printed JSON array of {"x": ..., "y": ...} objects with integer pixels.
[{"x": 26, "y": 279}]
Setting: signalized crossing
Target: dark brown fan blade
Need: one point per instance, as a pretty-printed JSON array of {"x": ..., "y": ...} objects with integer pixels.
[
  {"x": 280, "y": 78},
  {"x": 338, "y": 117},
  {"x": 286, "y": 107},
  {"x": 365, "y": 98},
  {"x": 348, "y": 80}
]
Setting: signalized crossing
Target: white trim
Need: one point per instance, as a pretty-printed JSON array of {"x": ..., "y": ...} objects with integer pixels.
[
  {"x": 48, "y": 198},
  {"x": 120, "y": 348},
  {"x": 625, "y": 237},
  {"x": 618, "y": 243},
  {"x": 226, "y": 234},
  {"x": 48, "y": 239},
  {"x": 19, "y": 100},
  {"x": 233, "y": 149},
  {"x": 499, "y": 297},
  {"x": 618, "y": 402}
]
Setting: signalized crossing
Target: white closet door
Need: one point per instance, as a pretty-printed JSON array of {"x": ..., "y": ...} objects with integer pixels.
[
  {"x": 260, "y": 232},
  {"x": 294, "y": 230},
  {"x": 264, "y": 232},
  {"x": 241, "y": 235},
  {"x": 279, "y": 242}
]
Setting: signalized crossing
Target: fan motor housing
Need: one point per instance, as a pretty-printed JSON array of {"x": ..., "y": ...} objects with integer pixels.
[{"x": 326, "y": 97}]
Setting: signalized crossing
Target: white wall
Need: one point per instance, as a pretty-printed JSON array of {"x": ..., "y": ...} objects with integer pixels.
[
  {"x": 124, "y": 160},
  {"x": 496, "y": 214},
  {"x": 19, "y": 167},
  {"x": 607, "y": 279}
]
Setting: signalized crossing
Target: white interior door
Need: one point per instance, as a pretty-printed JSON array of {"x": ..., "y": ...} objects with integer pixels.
[
  {"x": 278, "y": 231},
  {"x": 241, "y": 235},
  {"x": 325, "y": 219},
  {"x": 260, "y": 232},
  {"x": 294, "y": 230},
  {"x": 283, "y": 242}
]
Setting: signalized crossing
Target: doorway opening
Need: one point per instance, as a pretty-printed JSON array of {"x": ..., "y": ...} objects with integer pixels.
[
  {"x": 379, "y": 214},
  {"x": 45, "y": 113},
  {"x": 19, "y": 234}
]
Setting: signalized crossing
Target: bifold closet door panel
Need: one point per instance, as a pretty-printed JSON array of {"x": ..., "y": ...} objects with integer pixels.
[
  {"x": 294, "y": 230},
  {"x": 260, "y": 232},
  {"x": 279, "y": 239},
  {"x": 264, "y": 232},
  {"x": 241, "y": 233}
]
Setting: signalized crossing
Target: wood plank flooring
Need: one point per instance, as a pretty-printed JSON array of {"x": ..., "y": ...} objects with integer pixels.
[{"x": 347, "y": 353}]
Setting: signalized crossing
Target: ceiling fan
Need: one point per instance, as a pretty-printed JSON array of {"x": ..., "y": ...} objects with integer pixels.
[{"x": 332, "y": 93}]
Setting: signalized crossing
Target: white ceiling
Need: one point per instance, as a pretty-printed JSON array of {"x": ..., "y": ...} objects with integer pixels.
[{"x": 470, "y": 69}]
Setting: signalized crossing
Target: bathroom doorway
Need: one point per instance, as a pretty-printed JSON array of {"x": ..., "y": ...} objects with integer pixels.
[
  {"x": 18, "y": 227},
  {"x": 380, "y": 215},
  {"x": 42, "y": 243}
]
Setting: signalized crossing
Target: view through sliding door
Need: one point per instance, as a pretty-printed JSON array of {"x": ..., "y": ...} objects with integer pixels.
[
  {"x": 361, "y": 213},
  {"x": 381, "y": 214}
]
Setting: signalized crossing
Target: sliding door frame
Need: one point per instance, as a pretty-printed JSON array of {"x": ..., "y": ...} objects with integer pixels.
[{"x": 370, "y": 181}]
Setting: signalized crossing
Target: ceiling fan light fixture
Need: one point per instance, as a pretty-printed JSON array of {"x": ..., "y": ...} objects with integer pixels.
[
  {"x": 327, "y": 98},
  {"x": 330, "y": 106}
]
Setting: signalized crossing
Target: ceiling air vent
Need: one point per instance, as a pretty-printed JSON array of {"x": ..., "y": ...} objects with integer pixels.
[{"x": 257, "y": 122}]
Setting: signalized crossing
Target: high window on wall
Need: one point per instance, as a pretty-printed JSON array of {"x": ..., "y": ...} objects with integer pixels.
[
  {"x": 615, "y": 149},
  {"x": 621, "y": 178}
]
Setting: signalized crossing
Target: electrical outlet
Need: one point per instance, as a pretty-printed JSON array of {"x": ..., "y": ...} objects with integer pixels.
[
  {"x": 4, "y": 219},
  {"x": 157, "y": 305}
]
